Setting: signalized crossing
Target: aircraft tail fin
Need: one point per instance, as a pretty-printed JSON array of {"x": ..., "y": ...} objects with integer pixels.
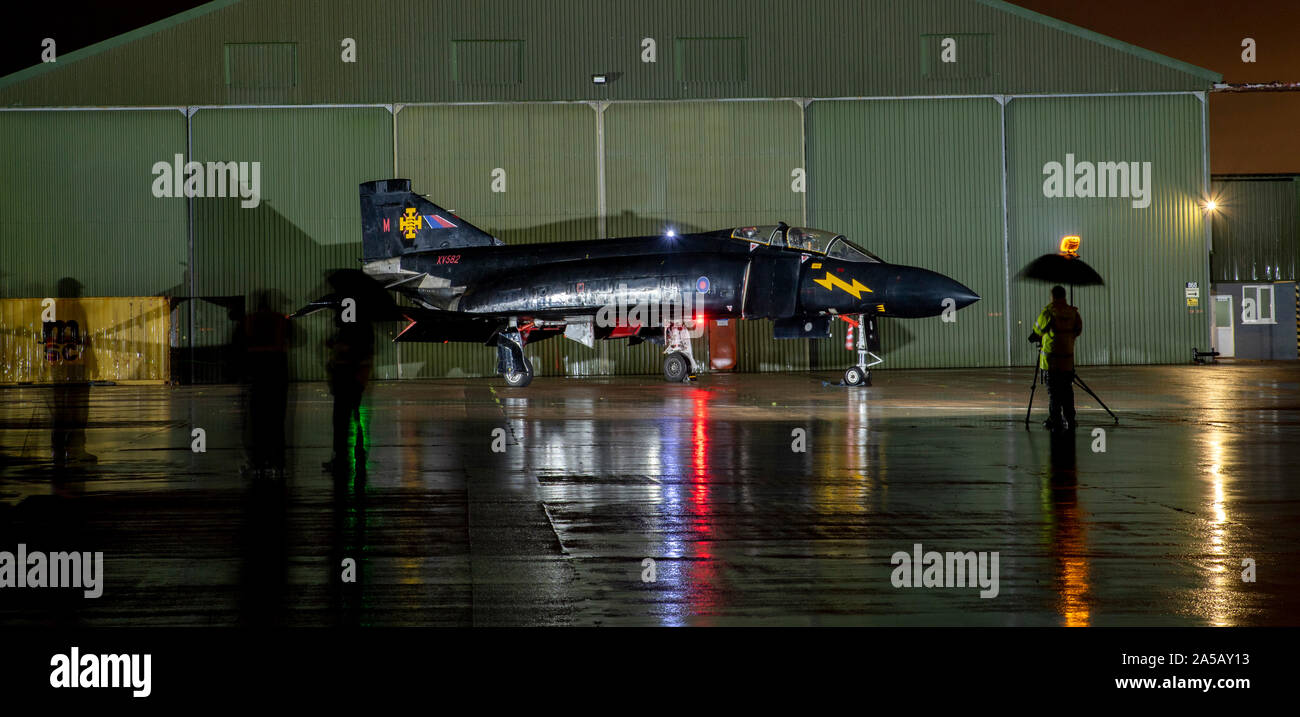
[{"x": 396, "y": 221}]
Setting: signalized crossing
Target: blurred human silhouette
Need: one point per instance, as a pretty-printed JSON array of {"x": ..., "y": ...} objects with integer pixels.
[
  {"x": 352, "y": 349},
  {"x": 71, "y": 366},
  {"x": 264, "y": 337}
]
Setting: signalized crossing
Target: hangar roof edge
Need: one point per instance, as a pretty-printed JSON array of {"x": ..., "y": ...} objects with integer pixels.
[
  {"x": 1000, "y": 5},
  {"x": 116, "y": 41},
  {"x": 1108, "y": 41}
]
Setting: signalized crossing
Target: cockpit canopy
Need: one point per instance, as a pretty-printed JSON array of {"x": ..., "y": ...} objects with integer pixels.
[{"x": 804, "y": 239}]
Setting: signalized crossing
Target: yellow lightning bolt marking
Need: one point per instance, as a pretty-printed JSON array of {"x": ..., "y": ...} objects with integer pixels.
[
  {"x": 410, "y": 223},
  {"x": 831, "y": 282}
]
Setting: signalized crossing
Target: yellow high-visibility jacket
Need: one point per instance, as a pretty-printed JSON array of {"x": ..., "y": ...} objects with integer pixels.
[{"x": 1059, "y": 324}]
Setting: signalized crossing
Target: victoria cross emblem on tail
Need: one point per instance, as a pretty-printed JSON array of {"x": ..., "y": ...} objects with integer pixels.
[{"x": 410, "y": 223}]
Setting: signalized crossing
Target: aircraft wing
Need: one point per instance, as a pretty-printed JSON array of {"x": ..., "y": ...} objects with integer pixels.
[{"x": 437, "y": 326}]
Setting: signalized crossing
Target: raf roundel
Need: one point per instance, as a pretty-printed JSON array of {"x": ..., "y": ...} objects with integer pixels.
[{"x": 702, "y": 284}]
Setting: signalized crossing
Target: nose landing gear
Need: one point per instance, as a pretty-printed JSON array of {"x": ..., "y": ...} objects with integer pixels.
[{"x": 859, "y": 374}]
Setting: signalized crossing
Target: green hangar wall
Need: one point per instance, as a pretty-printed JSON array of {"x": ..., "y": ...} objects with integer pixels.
[
  {"x": 920, "y": 182},
  {"x": 1256, "y": 229},
  {"x": 712, "y": 117},
  {"x": 1146, "y": 254}
]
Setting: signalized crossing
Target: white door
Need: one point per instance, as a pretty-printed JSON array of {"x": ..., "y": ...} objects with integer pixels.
[{"x": 1223, "y": 325}]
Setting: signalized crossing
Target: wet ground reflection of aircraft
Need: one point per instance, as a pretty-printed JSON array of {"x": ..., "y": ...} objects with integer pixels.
[{"x": 471, "y": 287}]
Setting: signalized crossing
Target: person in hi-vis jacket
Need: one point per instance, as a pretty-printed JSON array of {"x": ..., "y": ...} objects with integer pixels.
[{"x": 1057, "y": 326}]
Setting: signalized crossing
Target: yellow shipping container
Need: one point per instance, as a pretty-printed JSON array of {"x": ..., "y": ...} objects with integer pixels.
[{"x": 124, "y": 340}]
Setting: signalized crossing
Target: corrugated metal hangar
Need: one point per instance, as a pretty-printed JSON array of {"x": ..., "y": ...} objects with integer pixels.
[
  {"x": 1256, "y": 302},
  {"x": 965, "y": 136}
]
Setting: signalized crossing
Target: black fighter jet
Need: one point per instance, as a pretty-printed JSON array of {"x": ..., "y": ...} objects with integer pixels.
[{"x": 469, "y": 286}]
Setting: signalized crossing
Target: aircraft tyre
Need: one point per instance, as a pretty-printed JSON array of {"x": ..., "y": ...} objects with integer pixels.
[
  {"x": 519, "y": 379},
  {"x": 676, "y": 367},
  {"x": 856, "y": 376}
]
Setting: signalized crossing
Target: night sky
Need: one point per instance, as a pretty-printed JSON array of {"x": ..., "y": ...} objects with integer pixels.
[
  {"x": 74, "y": 25},
  {"x": 1249, "y": 133}
]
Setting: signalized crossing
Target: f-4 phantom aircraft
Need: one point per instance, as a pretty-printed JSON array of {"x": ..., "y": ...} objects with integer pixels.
[{"x": 470, "y": 286}]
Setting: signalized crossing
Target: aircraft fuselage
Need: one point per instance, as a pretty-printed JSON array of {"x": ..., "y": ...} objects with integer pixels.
[{"x": 725, "y": 277}]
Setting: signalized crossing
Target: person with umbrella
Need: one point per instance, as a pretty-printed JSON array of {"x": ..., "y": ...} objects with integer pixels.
[
  {"x": 1055, "y": 329},
  {"x": 1057, "y": 326}
]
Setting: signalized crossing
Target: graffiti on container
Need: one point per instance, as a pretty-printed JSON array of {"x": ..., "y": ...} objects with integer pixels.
[{"x": 63, "y": 341}]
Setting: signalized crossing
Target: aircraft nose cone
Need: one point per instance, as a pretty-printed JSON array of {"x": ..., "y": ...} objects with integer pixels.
[
  {"x": 916, "y": 292},
  {"x": 959, "y": 293}
]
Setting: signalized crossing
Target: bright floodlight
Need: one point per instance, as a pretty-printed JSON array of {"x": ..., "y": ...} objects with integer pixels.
[{"x": 1211, "y": 205}]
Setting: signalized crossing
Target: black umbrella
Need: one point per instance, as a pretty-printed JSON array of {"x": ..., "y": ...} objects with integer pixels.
[{"x": 1062, "y": 269}]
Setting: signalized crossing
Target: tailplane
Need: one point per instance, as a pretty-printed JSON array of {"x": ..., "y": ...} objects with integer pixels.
[{"x": 396, "y": 221}]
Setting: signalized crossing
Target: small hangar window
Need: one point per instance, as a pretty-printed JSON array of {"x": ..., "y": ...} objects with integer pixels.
[{"x": 1257, "y": 304}]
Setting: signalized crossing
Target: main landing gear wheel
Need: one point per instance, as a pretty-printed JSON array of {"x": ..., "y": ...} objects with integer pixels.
[
  {"x": 856, "y": 376},
  {"x": 519, "y": 379},
  {"x": 676, "y": 367}
]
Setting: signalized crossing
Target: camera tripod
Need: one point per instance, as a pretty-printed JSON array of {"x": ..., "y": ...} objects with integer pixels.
[{"x": 1040, "y": 377}]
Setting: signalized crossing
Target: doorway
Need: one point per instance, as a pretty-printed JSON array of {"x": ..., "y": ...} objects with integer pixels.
[{"x": 1223, "y": 322}]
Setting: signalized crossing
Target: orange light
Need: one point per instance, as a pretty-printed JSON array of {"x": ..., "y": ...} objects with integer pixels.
[{"x": 1070, "y": 246}]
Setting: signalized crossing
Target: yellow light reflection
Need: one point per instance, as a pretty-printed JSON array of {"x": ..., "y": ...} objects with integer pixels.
[
  {"x": 1066, "y": 534},
  {"x": 1217, "y": 605},
  {"x": 845, "y": 477}
]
